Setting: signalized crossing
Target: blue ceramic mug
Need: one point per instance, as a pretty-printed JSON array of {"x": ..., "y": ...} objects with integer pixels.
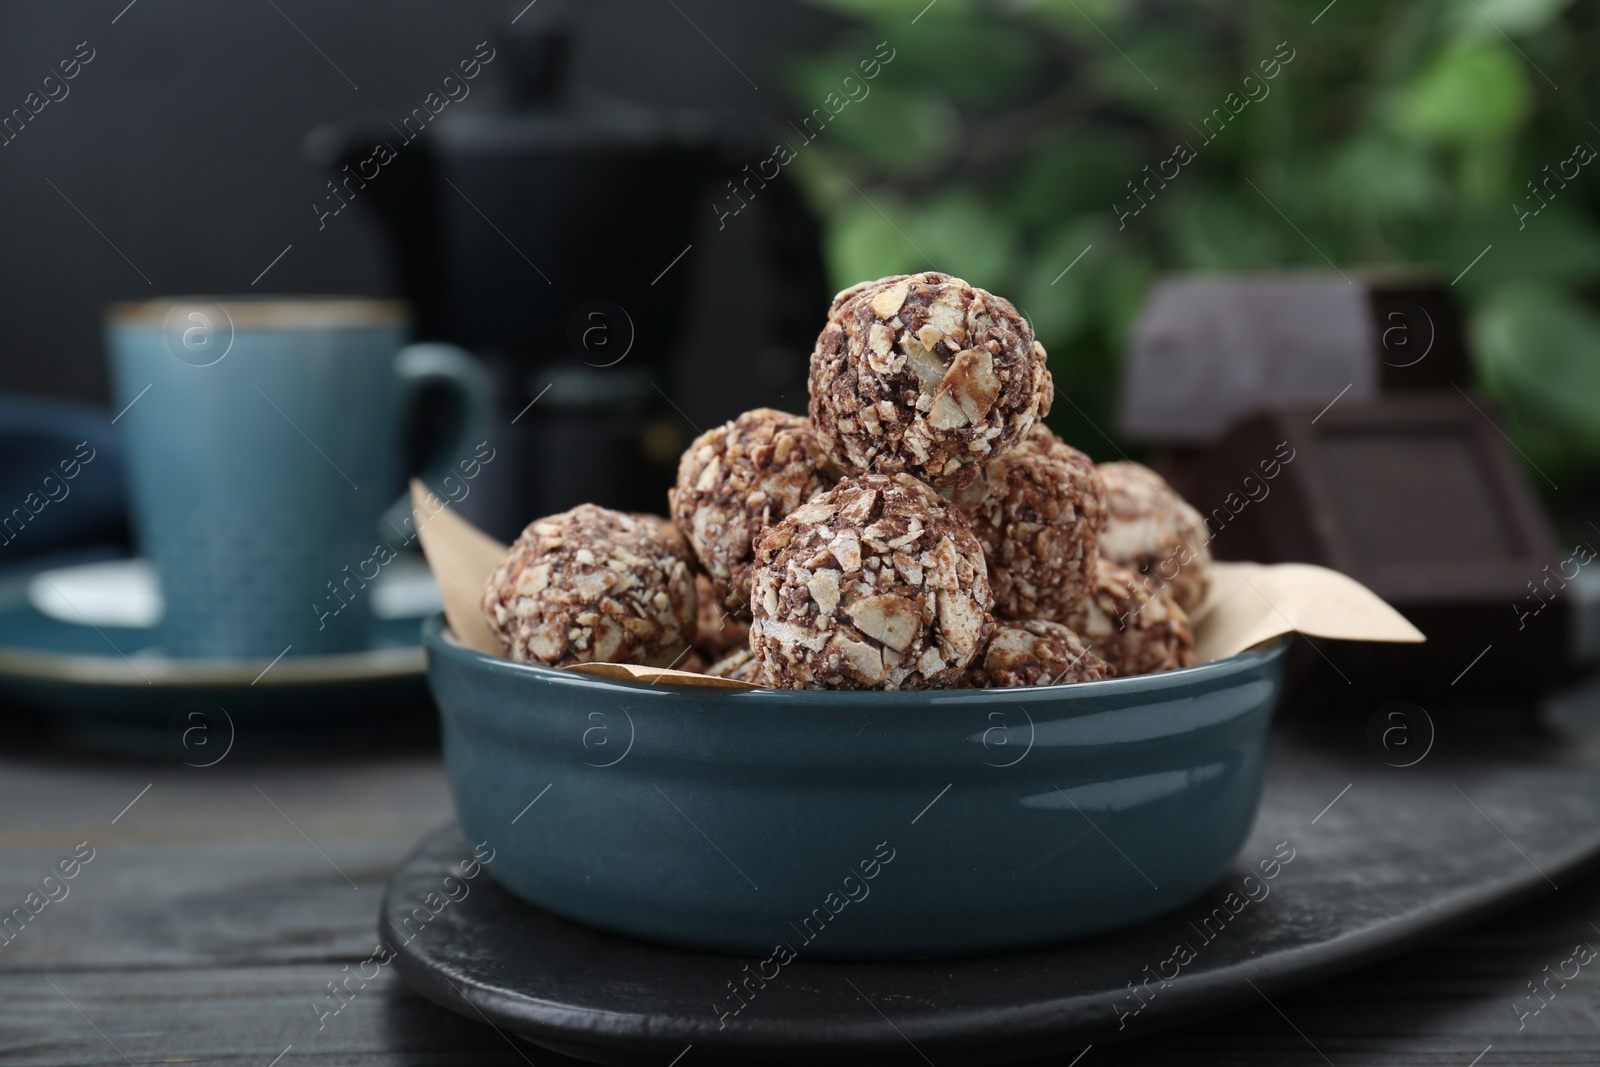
[{"x": 264, "y": 447}]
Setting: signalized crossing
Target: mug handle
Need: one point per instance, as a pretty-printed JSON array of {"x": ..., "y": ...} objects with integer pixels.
[{"x": 438, "y": 365}]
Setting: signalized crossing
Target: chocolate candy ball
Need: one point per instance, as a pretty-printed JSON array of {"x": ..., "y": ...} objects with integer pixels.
[
  {"x": 735, "y": 481},
  {"x": 741, "y": 666},
  {"x": 927, "y": 375},
  {"x": 592, "y": 584},
  {"x": 876, "y": 584},
  {"x": 1035, "y": 652},
  {"x": 1131, "y": 624},
  {"x": 719, "y": 630},
  {"x": 1152, "y": 529},
  {"x": 1038, "y": 510}
]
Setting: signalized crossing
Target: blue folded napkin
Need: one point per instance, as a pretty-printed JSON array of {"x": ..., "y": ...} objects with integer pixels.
[{"x": 62, "y": 488}]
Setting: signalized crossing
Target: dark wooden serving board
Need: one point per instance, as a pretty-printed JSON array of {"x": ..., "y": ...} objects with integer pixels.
[{"x": 1384, "y": 857}]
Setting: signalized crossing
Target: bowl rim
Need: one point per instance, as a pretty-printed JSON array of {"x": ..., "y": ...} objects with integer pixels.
[{"x": 439, "y": 641}]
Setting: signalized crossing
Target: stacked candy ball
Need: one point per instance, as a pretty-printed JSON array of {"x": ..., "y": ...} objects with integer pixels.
[{"x": 920, "y": 529}]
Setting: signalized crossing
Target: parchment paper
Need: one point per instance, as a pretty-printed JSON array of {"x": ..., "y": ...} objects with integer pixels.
[{"x": 1248, "y": 603}]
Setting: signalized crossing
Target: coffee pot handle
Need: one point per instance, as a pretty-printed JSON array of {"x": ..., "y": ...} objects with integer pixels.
[{"x": 458, "y": 457}]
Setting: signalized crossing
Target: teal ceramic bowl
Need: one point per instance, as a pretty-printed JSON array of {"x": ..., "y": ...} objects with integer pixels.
[{"x": 854, "y": 825}]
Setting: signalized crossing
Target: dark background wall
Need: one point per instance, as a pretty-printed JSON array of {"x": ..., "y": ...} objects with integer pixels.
[{"x": 174, "y": 164}]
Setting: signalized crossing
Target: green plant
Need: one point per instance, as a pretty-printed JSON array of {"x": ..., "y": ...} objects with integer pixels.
[{"x": 999, "y": 139}]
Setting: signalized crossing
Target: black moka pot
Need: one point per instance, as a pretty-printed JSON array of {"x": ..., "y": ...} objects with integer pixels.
[{"x": 543, "y": 231}]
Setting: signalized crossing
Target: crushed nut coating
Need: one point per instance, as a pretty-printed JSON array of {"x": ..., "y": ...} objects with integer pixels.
[
  {"x": 741, "y": 666},
  {"x": 1134, "y": 627},
  {"x": 1038, "y": 510},
  {"x": 926, "y": 375},
  {"x": 735, "y": 481},
  {"x": 719, "y": 630},
  {"x": 1155, "y": 531},
  {"x": 876, "y": 584},
  {"x": 592, "y": 584},
  {"x": 1036, "y": 652}
]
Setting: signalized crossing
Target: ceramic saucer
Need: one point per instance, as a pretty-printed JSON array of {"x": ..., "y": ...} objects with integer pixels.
[{"x": 78, "y": 649}]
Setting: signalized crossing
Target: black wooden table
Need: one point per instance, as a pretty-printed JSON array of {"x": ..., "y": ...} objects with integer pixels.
[{"x": 220, "y": 904}]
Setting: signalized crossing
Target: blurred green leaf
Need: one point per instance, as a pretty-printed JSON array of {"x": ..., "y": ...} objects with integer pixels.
[
  {"x": 1060, "y": 301},
  {"x": 897, "y": 11},
  {"x": 1386, "y": 175},
  {"x": 1539, "y": 354},
  {"x": 1004, "y": 131},
  {"x": 974, "y": 61},
  {"x": 1073, "y": 17},
  {"x": 1559, "y": 248},
  {"x": 1512, "y": 17},
  {"x": 1484, "y": 173},
  {"x": 864, "y": 243},
  {"x": 1474, "y": 91},
  {"x": 1088, "y": 169},
  {"x": 1121, "y": 290},
  {"x": 961, "y": 235},
  {"x": 1219, "y": 229},
  {"x": 898, "y": 130}
]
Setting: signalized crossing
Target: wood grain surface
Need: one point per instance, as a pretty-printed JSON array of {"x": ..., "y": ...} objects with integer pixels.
[{"x": 221, "y": 903}]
